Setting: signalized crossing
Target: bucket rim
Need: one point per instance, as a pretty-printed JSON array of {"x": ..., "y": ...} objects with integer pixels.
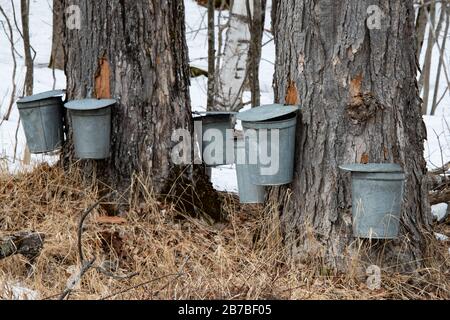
[
  {"x": 213, "y": 113},
  {"x": 286, "y": 123},
  {"x": 89, "y": 104},
  {"x": 267, "y": 112},
  {"x": 40, "y": 96},
  {"x": 53, "y": 101},
  {"x": 373, "y": 168}
]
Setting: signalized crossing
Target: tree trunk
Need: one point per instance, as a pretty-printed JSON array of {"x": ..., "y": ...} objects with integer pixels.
[
  {"x": 358, "y": 91},
  {"x": 211, "y": 55},
  {"x": 421, "y": 27},
  {"x": 435, "y": 103},
  {"x": 257, "y": 30},
  {"x": 57, "y": 55},
  {"x": 434, "y": 30},
  {"x": 135, "y": 52},
  {"x": 233, "y": 73},
  {"x": 25, "y": 12}
]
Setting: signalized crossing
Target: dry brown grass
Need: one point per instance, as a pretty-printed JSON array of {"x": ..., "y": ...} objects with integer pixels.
[{"x": 243, "y": 258}]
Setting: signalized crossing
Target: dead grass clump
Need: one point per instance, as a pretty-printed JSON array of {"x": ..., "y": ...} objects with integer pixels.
[{"x": 242, "y": 258}]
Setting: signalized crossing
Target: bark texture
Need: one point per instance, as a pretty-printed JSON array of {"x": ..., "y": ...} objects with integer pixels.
[
  {"x": 135, "y": 52},
  {"x": 358, "y": 91}
]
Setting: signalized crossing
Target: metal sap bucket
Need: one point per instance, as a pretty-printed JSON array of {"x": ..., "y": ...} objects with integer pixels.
[
  {"x": 42, "y": 120},
  {"x": 271, "y": 132},
  {"x": 91, "y": 123},
  {"x": 377, "y": 194},
  {"x": 216, "y": 124},
  {"x": 248, "y": 192}
]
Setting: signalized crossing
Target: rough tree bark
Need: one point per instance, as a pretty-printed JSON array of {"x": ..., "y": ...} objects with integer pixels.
[
  {"x": 135, "y": 52},
  {"x": 358, "y": 91},
  {"x": 57, "y": 55}
]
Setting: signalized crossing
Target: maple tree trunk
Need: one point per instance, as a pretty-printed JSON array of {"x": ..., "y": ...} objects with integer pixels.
[
  {"x": 358, "y": 91},
  {"x": 135, "y": 52}
]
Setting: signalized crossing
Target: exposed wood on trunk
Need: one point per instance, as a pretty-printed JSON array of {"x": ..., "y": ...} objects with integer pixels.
[
  {"x": 327, "y": 45},
  {"x": 28, "y": 244}
]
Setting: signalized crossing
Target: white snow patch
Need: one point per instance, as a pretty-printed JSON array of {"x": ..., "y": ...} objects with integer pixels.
[
  {"x": 439, "y": 211},
  {"x": 224, "y": 178},
  {"x": 440, "y": 236},
  {"x": 16, "y": 291}
]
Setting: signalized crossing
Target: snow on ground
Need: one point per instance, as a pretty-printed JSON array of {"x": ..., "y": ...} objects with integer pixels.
[
  {"x": 439, "y": 211},
  {"x": 437, "y": 148},
  {"x": 16, "y": 291}
]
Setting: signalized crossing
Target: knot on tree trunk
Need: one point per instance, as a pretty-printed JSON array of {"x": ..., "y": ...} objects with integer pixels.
[{"x": 363, "y": 107}]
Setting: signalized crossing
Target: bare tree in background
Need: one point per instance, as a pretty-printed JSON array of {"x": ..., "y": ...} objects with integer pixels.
[
  {"x": 257, "y": 30},
  {"x": 233, "y": 72},
  {"x": 57, "y": 55},
  {"x": 444, "y": 11},
  {"x": 25, "y": 13},
  {"x": 211, "y": 55},
  {"x": 10, "y": 36}
]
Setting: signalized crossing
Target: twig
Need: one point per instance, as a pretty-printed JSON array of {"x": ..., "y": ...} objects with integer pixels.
[
  {"x": 11, "y": 39},
  {"x": 80, "y": 225},
  {"x": 84, "y": 269},
  {"x": 176, "y": 275},
  {"x": 179, "y": 274}
]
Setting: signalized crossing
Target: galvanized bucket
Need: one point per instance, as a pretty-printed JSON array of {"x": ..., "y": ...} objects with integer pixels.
[
  {"x": 215, "y": 125},
  {"x": 91, "y": 123},
  {"x": 271, "y": 132},
  {"x": 42, "y": 121},
  {"x": 377, "y": 193},
  {"x": 248, "y": 192}
]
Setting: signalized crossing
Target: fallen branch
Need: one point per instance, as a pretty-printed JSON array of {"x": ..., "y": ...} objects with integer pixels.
[
  {"x": 28, "y": 244},
  {"x": 442, "y": 196}
]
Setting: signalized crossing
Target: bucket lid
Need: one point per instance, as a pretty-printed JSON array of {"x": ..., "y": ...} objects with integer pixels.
[
  {"x": 267, "y": 112},
  {"x": 373, "y": 167},
  {"x": 89, "y": 104},
  {"x": 41, "y": 96}
]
